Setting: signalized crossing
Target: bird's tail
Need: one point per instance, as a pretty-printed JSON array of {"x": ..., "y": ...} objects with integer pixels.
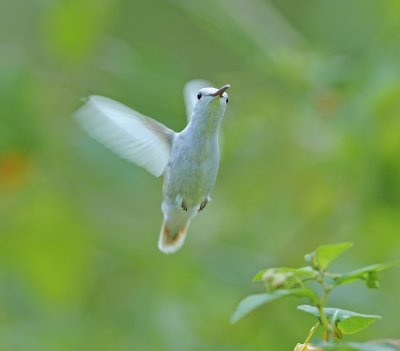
[{"x": 172, "y": 238}]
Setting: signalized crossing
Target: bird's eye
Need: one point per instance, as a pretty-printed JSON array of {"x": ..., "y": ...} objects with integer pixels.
[
  {"x": 199, "y": 96},
  {"x": 226, "y": 100}
]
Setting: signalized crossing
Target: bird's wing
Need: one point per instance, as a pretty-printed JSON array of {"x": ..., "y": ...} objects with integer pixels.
[
  {"x": 190, "y": 94},
  {"x": 131, "y": 135}
]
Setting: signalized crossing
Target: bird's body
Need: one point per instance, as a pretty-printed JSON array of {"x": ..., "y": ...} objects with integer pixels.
[
  {"x": 192, "y": 170},
  {"x": 189, "y": 160},
  {"x": 189, "y": 177}
]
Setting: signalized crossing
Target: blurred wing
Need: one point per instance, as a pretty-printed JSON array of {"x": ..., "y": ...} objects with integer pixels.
[
  {"x": 129, "y": 134},
  {"x": 190, "y": 94}
]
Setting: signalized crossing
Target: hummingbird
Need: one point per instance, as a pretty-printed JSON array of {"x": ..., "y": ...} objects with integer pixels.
[{"x": 189, "y": 159}]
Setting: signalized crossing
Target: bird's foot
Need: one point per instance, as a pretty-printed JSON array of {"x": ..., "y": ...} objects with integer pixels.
[
  {"x": 184, "y": 206},
  {"x": 203, "y": 204}
]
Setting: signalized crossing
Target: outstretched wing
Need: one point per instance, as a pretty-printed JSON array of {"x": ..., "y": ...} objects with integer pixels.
[
  {"x": 131, "y": 135},
  {"x": 190, "y": 94}
]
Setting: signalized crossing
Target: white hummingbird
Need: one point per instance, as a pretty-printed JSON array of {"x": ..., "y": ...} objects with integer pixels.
[{"x": 189, "y": 160}]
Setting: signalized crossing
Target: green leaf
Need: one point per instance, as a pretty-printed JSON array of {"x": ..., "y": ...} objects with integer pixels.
[
  {"x": 347, "y": 322},
  {"x": 251, "y": 302},
  {"x": 372, "y": 280},
  {"x": 355, "y": 324},
  {"x": 322, "y": 257},
  {"x": 368, "y": 273}
]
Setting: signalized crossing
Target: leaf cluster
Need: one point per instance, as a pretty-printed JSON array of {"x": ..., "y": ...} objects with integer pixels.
[{"x": 285, "y": 281}]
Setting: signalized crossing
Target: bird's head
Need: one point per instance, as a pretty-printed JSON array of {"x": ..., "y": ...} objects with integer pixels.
[{"x": 212, "y": 100}]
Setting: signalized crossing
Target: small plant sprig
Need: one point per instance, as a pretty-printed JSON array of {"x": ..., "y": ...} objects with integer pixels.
[{"x": 283, "y": 281}]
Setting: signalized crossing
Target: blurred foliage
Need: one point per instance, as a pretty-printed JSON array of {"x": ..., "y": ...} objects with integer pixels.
[{"x": 311, "y": 156}]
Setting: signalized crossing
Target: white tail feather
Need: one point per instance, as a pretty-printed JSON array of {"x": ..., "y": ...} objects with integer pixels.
[{"x": 170, "y": 242}]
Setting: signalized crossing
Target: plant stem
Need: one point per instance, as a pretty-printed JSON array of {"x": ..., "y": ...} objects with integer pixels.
[
  {"x": 311, "y": 333},
  {"x": 321, "y": 304},
  {"x": 324, "y": 319}
]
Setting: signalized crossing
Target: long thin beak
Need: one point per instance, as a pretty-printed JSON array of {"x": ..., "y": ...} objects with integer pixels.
[{"x": 222, "y": 90}]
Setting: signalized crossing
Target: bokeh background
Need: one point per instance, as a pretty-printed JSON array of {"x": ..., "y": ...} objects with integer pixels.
[{"x": 311, "y": 156}]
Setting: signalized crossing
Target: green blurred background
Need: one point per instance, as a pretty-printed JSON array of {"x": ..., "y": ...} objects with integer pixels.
[{"x": 311, "y": 156}]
